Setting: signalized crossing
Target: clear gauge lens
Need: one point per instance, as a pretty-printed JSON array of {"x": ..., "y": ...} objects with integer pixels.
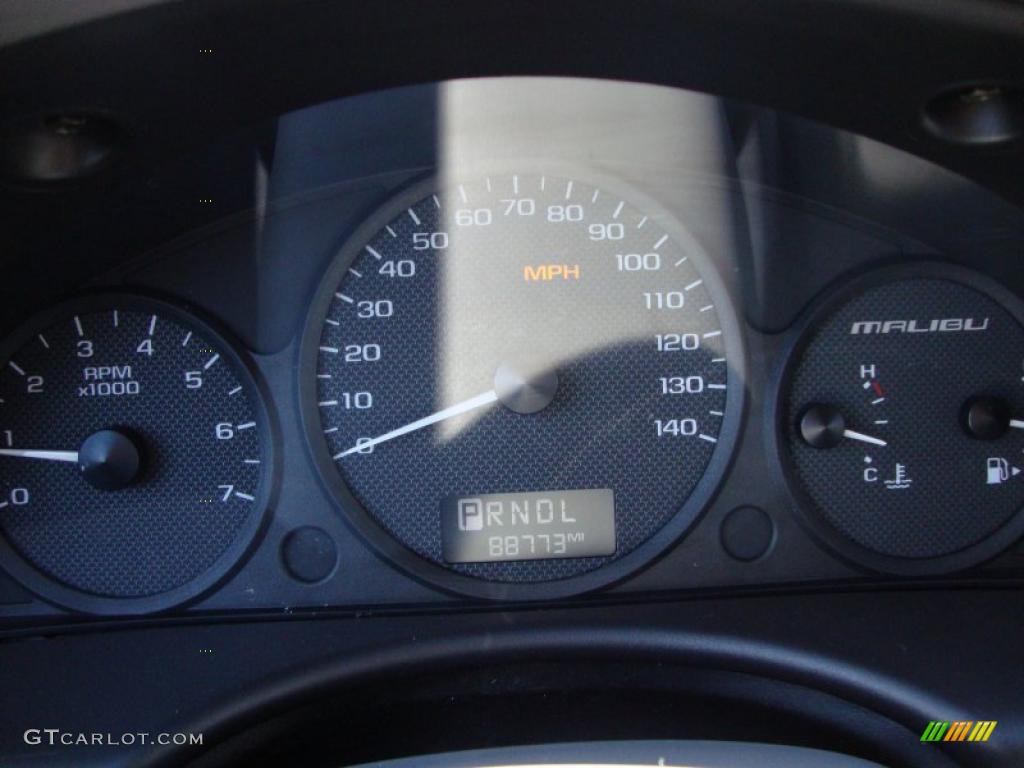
[
  {"x": 132, "y": 446},
  {"x": 903, "y": 421},
  {"x": 523, "y": 378}
]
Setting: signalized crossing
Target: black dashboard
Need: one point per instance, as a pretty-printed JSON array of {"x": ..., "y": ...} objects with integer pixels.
[{"x": 558, "y": 407}]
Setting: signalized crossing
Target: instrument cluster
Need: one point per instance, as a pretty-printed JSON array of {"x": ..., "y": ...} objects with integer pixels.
[{"x": 519, "y": 379}]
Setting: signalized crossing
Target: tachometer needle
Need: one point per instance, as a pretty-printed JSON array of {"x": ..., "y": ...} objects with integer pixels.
[
  {"x": 863, "y": 438},
  {"x": 452, "y": 411},
  {"x": 1017, "y": 423},
  {"x": 24, "y": 453}
]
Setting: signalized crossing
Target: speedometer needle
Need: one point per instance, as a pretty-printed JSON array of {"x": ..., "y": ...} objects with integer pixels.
[
  {"x": 24, "y": 453},
  {"x": 452, "y": 411},
  {"x": 863, "y": 438}
]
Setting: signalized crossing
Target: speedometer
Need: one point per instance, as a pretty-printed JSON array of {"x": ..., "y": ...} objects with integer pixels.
[{"x": 522, "y": 385}]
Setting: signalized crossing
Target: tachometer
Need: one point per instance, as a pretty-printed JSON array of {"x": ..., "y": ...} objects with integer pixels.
[
  {"x": 522, "y": 379},
  {"x": 133, "y": 455}
]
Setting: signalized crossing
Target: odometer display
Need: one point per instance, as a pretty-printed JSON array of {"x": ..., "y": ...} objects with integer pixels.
[
  {"x": 513, "y": 334},
  {"x": 528, "y": 526}
]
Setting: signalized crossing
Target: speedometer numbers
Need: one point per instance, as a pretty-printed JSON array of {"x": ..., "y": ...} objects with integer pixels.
[
  {"x": 522, "y": 334},
  {"x": 132, "y": 455}
]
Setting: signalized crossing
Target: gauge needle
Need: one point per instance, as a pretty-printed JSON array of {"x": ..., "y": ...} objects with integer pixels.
[
  {"x": 1017, "y": 423},
  {"x": 24, "y": 453},
  {"x": 863, "y": 438},
  {"x": 452, "y": 411}
]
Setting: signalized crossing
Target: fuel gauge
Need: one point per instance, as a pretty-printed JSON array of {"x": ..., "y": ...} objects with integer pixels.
[{"x": 901, "y": 427}]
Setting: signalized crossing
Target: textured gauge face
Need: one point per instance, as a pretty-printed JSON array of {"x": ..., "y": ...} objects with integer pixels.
[
  {"x": 130, "y": 465},
  {"x": 522, "y": 378},
  {"x": 901, "y": 421}
]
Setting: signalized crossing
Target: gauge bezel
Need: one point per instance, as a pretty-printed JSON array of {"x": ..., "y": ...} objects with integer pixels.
[
  {"x": 249, "y": 536},
  {"x": 393, "y": 551},
  {"x": 811, "y": 520}
]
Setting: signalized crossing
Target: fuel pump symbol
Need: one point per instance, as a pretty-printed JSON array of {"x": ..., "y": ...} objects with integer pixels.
[{"x": 998, "y": 471}]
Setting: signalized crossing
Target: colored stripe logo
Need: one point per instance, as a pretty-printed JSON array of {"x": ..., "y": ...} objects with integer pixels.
[{"x": 958, "y": 730}]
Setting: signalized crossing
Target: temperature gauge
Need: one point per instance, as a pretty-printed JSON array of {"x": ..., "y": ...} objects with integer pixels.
[{"x": 902, "y": 421}]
